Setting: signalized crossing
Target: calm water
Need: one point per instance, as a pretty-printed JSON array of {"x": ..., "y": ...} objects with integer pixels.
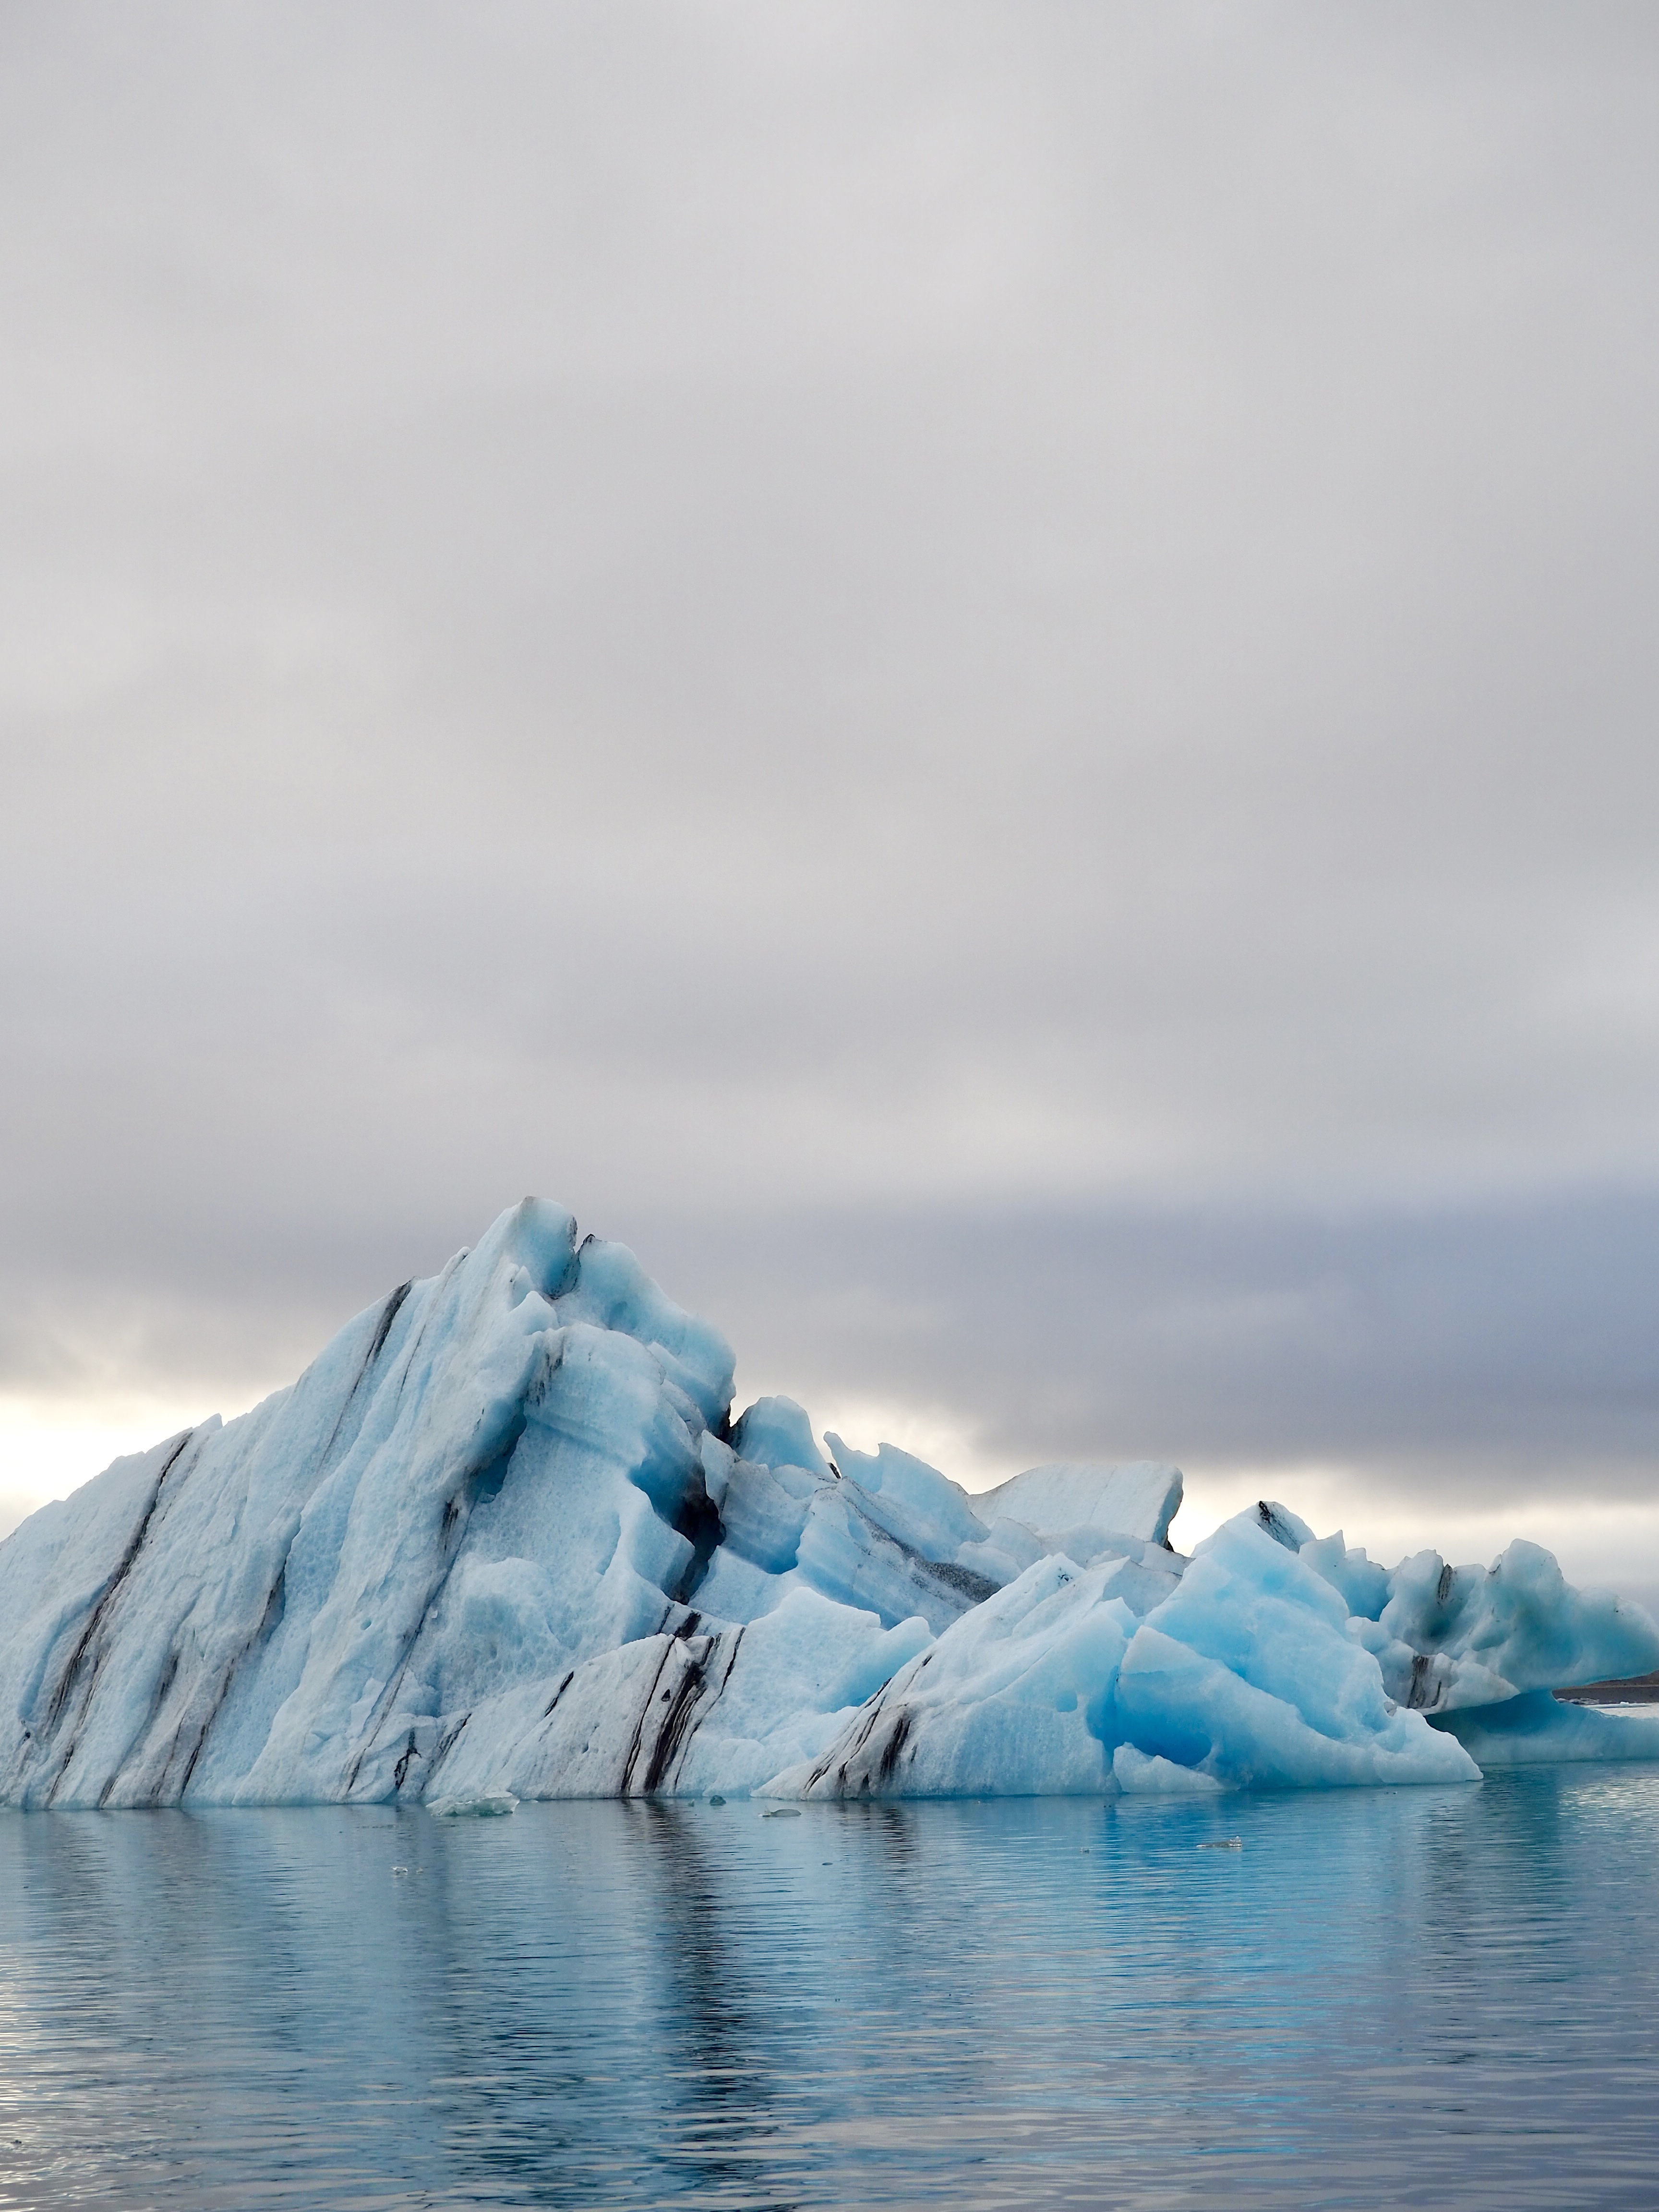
[{"x": 1436, "y": 1998}]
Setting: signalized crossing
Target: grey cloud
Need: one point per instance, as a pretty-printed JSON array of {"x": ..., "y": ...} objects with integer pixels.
[
  {"x": 1501, "y": 1352},
  {"x": 1506, "y": 1349},
  {"x": 845, "y": 617}
]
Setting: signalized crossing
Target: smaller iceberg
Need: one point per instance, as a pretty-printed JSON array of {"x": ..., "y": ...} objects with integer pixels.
[
  {"x": 1450, "y": 1637},
  {"x": 1536, "y": 1729}
]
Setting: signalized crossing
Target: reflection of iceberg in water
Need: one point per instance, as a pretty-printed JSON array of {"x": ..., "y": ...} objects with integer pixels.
[
  {"x": 503, "y": 1540},
  {"x": 1046, "y": 2003}
]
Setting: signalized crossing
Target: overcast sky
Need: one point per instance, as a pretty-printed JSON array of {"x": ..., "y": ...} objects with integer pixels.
[{"x": 985, "y": 676}]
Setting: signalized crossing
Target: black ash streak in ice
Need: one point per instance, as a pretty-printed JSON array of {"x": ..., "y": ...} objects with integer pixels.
[{"x": 504, "y": 1539}]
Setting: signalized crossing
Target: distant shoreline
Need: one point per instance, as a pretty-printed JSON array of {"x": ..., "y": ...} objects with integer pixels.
[{"x": 1639, "y": 1690}]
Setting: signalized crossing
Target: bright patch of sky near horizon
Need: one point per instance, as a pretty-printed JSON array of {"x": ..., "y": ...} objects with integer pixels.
[{"x": 984, "y": 676}]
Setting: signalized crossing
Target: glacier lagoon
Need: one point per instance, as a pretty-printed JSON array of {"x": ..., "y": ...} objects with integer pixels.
[
  {"x": 869, "y": 1843},
  {"x": 1434, "y": 1997}
]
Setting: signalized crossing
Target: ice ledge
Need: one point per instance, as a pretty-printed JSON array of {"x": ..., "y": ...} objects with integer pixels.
[{"x": 1140, "y": 1498}]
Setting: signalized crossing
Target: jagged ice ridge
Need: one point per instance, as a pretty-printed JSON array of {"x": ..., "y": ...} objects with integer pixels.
[{"x": 503, "y": 1540}]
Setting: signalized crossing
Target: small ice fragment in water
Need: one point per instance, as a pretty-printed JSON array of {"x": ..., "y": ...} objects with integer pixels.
[
  {"x": 489, "y": 1807},
  {"x": 782, "y": 1813},
  {"x": 1226, "y": 1844},
  {"x": 717, "y": 1799},
  {"x": 400, "y": 1874}
]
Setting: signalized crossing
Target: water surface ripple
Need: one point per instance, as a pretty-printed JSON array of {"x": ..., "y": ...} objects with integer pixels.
[{"x": 1416, "y": 1997}]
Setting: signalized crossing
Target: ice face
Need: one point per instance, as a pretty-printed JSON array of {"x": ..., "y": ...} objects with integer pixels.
[
  {"x": 1014, "y": 1699},
  {"x": 1246, "y": 1673},
  {"x": 503, "y": 1540}
]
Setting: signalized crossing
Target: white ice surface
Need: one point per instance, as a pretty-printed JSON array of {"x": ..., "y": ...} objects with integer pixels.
[
  {"x": 1139, "y": 1499},
  {"x": 503, "y": 1539}
]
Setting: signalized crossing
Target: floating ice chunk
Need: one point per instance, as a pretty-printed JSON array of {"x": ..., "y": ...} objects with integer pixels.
[
  {"x": 1139, "y": 1775},
  {"x": 1517, "y": 1623},
  {"x": 490, "y": 1807},
  {"x": 1448, "y": 1638},
  {"x": 1139, "y": 1499},
  {"x": 1535, "y": 1729}
]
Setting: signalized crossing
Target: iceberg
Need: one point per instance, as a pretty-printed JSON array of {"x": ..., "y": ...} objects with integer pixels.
[{"x": 506, "y": 1539}]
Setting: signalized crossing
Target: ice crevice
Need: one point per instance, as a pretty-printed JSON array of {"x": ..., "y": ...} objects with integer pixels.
[{"x": 508, "y": 1537}]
